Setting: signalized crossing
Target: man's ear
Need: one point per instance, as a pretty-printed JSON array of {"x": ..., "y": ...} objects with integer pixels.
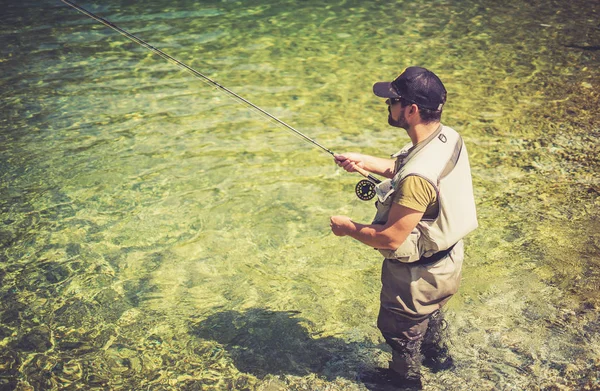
[{"x": 413, "y": 109}]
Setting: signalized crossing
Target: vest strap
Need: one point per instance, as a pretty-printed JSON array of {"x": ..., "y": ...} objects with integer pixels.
[
  {"x": 453, "y": 159},
  {"x": 424, "y": 261}
]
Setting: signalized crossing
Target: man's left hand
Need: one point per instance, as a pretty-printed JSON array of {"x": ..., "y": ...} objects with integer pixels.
[{"x": 341, "y": 225}]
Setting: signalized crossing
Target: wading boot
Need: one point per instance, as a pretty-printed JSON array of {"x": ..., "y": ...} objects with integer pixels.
[
  {"x": 404, "y": 372},
  {"x": 436, "y": 355},
  {"x": 388, "y": 378}
]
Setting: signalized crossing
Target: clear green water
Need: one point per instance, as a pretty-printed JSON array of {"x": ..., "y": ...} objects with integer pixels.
[{"x": 156, "y": 235}]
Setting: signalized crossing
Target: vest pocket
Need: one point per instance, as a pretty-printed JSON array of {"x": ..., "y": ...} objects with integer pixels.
[
  {"x": 383, "y": 211},
  {"x": 408, "y": 250}
]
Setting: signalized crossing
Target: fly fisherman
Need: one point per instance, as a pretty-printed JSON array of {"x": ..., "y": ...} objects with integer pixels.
[{"x": 424, "y": 209}]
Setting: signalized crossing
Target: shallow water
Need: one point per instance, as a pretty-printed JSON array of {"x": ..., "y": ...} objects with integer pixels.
[{"x": 157, "y": 235}]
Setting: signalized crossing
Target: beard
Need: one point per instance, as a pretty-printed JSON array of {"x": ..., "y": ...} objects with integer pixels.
[{"x": 400, "y": 123}]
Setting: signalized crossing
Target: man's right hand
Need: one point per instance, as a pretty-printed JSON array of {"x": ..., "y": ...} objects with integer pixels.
[
  {"x": 353, "y": 162},
  {"x": 349, "y": 161}
]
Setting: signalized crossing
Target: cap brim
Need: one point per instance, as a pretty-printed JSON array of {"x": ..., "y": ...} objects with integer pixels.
[{"x": 384, "y": 89}]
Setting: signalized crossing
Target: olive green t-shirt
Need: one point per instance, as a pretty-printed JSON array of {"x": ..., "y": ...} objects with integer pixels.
[{"x": 417, "y": 193}]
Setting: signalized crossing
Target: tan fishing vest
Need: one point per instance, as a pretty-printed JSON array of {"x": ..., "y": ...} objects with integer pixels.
[{"x": 442, "y": 160}]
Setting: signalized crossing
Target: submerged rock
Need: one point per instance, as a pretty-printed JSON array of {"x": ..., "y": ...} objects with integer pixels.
[{"x": 37, "y": 340}]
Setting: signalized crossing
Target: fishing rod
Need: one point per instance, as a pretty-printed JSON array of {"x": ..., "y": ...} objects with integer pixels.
[{"x": 365, "y": 189}]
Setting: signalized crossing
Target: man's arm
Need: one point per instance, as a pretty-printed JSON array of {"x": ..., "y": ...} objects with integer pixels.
[
  {"x": 376, "y": 165},
  {"x": 401, "y": 221}
]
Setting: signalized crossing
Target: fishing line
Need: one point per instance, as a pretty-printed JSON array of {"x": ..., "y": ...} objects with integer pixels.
[{"x": 364, "y": 189}]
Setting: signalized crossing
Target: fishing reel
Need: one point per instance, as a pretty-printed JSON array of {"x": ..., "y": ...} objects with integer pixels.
[{"x": 365, "y": 190}]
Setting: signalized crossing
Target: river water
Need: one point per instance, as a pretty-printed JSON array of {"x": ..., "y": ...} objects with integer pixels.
[{"x": 157, "y": 235}]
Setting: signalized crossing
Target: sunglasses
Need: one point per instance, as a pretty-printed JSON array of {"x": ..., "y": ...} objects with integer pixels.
[{"x": 392, "y": 101}]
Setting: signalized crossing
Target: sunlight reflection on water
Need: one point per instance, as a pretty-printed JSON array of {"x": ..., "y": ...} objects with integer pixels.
[{"x": 156, "y": 234}]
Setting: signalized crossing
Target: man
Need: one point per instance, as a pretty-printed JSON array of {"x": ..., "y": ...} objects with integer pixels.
[{"x": 424, "y": 210}]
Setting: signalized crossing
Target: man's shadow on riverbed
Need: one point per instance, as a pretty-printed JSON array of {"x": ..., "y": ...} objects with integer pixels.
[{"x": 262, "y": 342}]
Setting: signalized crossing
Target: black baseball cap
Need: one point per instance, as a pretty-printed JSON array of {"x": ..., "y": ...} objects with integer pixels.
[{"x": 417, "y": 85}]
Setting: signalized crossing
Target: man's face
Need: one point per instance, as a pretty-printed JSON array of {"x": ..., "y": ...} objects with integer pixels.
[{"x": 397, "y": 116}]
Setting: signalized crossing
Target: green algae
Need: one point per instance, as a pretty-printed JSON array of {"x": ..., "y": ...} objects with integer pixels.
[{"x": 157, "y": 235}]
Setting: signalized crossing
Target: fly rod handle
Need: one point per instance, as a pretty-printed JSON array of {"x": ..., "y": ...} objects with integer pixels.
[{"x": 366, "y": 174}]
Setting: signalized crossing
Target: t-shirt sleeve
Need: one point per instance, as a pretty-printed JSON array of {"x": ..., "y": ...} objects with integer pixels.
[{"x": 416, "y": 193}]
